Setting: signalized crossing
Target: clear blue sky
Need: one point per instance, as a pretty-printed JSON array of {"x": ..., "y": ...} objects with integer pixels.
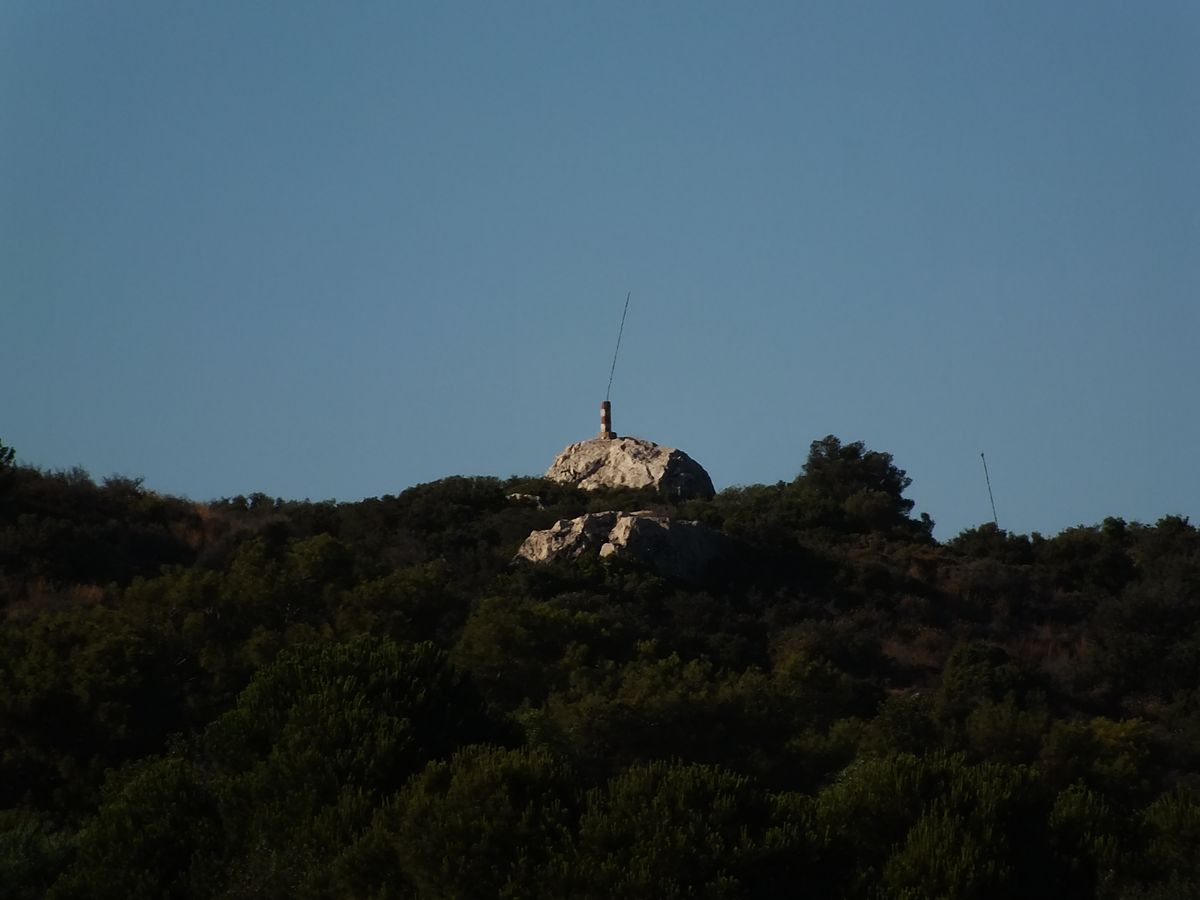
[{"x": 336, "y": 249}]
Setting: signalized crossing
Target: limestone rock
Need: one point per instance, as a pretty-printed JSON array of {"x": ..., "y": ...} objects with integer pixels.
[
  {"x": 674, "y": 548},
  {"x": 531, "y": 499},
  {"x": 631, "y": 462}
]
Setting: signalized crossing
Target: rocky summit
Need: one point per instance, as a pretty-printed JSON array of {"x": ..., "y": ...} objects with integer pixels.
[
  {"x": 675, "y": 548},
  {"x": 631, "y": 462}
]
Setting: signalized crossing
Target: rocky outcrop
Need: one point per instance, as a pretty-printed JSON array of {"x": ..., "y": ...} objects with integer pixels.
[
  {"x": 674, "y": 548},
  {"x": 631, "y": 462}
]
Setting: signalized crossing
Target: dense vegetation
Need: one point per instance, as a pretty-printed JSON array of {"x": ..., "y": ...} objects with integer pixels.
[{"x": 260, "y": 698}]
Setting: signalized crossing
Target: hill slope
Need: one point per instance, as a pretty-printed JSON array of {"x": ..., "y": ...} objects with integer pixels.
[{"x": 258, "y": 697}]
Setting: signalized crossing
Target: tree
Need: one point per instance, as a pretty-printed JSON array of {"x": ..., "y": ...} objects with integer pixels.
[
  {"x": 842, "y": 470},
  {"x": 1173, "y": 823},
  {"x": 156, "y": 834},
  {"x": 934, "y": 827},
  {"x": 478, "y": 826},
  {"x": 32, "y": 852},
  {"x": 863, "y": 489},
  {"x": 669, "y": 829},
  {"x": 274, "y": 789},
  {"x": 978, "y": 672}
]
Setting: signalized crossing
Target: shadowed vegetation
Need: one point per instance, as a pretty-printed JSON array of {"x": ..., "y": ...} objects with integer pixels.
[{"x": 264, "y": 698}]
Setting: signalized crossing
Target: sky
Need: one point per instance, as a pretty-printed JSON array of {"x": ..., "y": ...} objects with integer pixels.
[{"x": 333, "y": 250}]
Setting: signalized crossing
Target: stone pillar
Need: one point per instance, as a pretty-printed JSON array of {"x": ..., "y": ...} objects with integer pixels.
[{"x": 606, "y": 431}]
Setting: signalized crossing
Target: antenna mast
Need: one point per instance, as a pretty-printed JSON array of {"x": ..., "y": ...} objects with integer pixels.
[
  {"x": 995, "y": 521},
  {"x": 620, "y": 332},
  {"x": 606, "y": 432}
]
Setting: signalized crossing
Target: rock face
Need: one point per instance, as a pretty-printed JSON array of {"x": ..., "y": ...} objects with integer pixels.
[
  {"x": 674, "y": 548},
  {"x": 631, "y": 462}
]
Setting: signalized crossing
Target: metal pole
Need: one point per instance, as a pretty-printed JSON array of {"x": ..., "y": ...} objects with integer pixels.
[
  {"x": 611, "y": 371},
  {"x": 995, "y": 521}
]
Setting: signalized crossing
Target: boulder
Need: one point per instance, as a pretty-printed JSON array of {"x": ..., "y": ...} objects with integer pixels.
[
  {"x": 631, "y": 462},
  {"x": 673, "y": 547}
]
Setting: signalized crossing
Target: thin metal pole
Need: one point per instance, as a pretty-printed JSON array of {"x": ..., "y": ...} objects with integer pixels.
[
  {"x": 618, "y": 350},
  {"x": 995, "y": 521}
]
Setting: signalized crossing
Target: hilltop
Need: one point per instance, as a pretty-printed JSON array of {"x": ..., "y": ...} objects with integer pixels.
[{"x": 264, "y": 697}]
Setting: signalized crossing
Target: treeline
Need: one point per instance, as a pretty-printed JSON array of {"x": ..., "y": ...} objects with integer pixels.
[{"x": 262, "y": 698}]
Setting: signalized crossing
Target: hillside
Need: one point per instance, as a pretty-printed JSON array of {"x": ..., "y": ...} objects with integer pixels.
[{"x": 256, "y": 697}]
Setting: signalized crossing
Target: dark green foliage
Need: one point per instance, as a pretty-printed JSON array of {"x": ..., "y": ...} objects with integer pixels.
[
  {"x": 1089, "y": 839},
  {"x": 1172, "y": 825},
  {"x": 79, "y": 693},
  {"x": 978, "y": 673},
  {"x": 859, "y": 489},
  {"x": 991, "y": 542},
  {"x": 63, "y": 529},
  {"x": 32, "y": 852},
  {"x": 484, "y": 824},
  {"x": 263, "y": 799},
  {"x": 268, "y": 698},
  {"x": 905, "y": 724},
  {"x": 151, "y": 837},
  {"x": 934, "y": 827},
  {"x": 672, "y": 831}
]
